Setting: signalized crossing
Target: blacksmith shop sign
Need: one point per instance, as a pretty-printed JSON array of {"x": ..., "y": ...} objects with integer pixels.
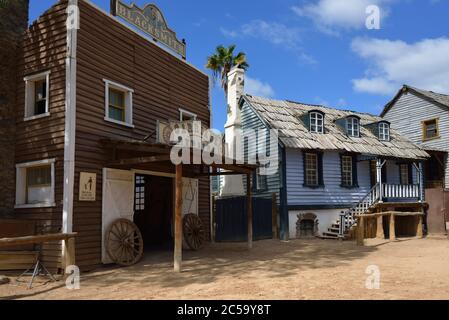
[{"x": 151, "y": 21}]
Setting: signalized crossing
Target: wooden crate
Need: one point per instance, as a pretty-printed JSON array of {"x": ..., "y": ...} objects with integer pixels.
[{"x": 17, "y": 260}]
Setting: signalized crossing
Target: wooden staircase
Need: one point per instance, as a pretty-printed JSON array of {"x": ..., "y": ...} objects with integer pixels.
[{"x": 342, "y": 228}]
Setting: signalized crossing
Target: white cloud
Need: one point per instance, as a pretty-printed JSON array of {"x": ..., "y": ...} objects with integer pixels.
[
  {"x": 273, "y": 32},
  {"x": 258, "y": 88},
  {"x": 331, "y": 16},
  {"x": 422, "y": 64}
]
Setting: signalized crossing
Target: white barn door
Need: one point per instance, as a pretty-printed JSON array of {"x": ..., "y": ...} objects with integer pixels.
[{"x": 118, "y": 201}]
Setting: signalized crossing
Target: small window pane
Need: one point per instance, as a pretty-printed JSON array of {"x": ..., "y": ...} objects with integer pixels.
[
  {"x": 430, "y": 129},
  {"x": 404, "y": 174},
  {"x": 316, "y": 122},
  {"x": 346, "y": 171},
  {"x": 116, "y": 105},
  {"x": 40, "y": 97},
  {"x": 39, "y": 176},
  {"x": 311, "y": 169}
]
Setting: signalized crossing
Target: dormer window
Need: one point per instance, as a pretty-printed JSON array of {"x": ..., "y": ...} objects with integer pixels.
[
  {"x": 316, "y": 122},
  {"x": 353, "y": 127},
  {"x": 384, "y": 131}
]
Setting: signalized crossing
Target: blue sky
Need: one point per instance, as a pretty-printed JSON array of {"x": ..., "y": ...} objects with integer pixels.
[{"x": 315, "y": 51}]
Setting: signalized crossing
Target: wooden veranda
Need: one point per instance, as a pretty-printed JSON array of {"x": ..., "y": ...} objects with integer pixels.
[{"x": 127, "y": 154}]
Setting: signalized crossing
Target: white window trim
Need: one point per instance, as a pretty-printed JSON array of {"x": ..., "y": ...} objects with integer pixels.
[
  {"x": 318, "y": 114},
  {"x": 183, "y": 112},
  {"x": 20, "y": 186},
  {"x": 350, "y": 121},
  {"x": 128, "y": 107},
  {"x": 383, "y": 136},
  {"x": 34, "y": 77}
]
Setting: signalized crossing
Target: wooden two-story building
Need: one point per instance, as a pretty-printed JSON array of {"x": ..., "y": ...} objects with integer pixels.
[{"x": 91, "y": 90}]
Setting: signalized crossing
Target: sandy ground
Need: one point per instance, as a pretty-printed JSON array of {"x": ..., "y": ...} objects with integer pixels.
[{"x": 314, "y": 269}]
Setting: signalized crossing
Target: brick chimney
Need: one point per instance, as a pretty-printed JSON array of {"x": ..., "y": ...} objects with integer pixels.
[{"x": 13, "y": 23}]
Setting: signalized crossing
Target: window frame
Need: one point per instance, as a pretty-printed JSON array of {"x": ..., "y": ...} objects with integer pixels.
[
  {"x": 316, "y": 114},
  {"x": 128, "y": 103},
  {"x": 350, "y": 126},
  {"x": 424, "y": 129},
  {"x": 354, "y": 171},
  {"x": 381, "y": 132},
  {"x": 319, "y": 170},
  {"x": 22, "y": 184},
  {"x": 183, "y": 112},
  {"x": 409, "y": 171},
  {"x": 30, "y": 91}
]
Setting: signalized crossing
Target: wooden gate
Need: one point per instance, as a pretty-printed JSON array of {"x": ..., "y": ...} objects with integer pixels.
[{"x": 231, "y": 222}]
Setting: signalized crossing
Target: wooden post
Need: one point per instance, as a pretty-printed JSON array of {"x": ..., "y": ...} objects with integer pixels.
[
  {"x": 274, "y": 216},
  {"x": 249, "y": 206},
  {"x": 68, "y": 258},
  {"x": 361, "y": 231},
  {"x": 380, "y": 228},
  {"x": 178, "y": 219},
  {"x": 379, "y": 165},
  {"x": 392, "y": 228},
  {"x": 419, "y": 232}
]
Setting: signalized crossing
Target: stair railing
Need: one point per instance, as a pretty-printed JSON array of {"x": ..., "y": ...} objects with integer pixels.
[{"x": 348, "y": 218}]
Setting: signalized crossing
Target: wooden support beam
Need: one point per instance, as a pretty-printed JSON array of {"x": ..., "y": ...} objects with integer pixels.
[
  {"x": 419, "y": 231},
  {"x": 12, "y": 242},
  {"x": 178, "y": 219},
  {"x": 140, "y": 160},
  {"x": 361, "y": 231},
  {"x": 380, "y": 228},
  {"x": 68, "y": 255},
  {"x": 249, "y": 206},
  {"x": 392, "y": 228},
  {"x": 274, "y": 216}
]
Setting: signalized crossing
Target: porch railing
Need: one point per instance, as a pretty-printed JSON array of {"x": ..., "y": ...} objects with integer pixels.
[
  {"x": 377, "y": 194},
  {"x": 400, "y": 191}
]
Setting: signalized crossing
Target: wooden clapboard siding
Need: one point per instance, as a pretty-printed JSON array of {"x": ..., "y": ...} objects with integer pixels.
[
  {"x": 250, "y": 120},
  {"x": 406, "y": 116},
  {"x": 44, "y": 49},
  {"x": 162, "y": 84}
]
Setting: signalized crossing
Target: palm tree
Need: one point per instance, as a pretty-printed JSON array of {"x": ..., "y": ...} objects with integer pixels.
[{"x": 222, "y": 61}]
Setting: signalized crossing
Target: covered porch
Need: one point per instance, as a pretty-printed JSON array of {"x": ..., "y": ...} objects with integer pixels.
[{"x": 141, "y": 156}]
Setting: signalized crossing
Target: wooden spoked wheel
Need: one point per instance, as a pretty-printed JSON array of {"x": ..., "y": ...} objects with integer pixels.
[
  {"x": 193, "y": 231},
  {"x": 124, "y": 242}
]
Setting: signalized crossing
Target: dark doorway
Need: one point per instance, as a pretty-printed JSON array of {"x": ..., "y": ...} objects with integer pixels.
[
  {"x": 307, "y": 228},
  {"x": 153, "y": 212}
]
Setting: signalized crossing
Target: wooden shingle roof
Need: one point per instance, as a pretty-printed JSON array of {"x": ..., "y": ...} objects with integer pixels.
[{"x": 286, "y": 117}]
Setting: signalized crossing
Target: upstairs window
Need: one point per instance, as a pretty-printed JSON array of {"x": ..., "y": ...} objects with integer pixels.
[
  {"x": 405, "y": 174},
  {"x": 313, "y": 169},
  {"x": 185, "y": 115},
  {"x": 430, "y": 129},
  {"x": 353, "y": 127},
  {"x": 384, "y": 131},
  {"x": 118, "y": 103},
  {"x": 349, "y": 171},
  {"x": 316, "y": 122},
  {"x": 36, "y": 95}
]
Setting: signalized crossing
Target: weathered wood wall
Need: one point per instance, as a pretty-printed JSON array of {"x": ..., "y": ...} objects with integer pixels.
[
  {"x": 162, "y": 84},
  {"x": 44, "y": 49}
]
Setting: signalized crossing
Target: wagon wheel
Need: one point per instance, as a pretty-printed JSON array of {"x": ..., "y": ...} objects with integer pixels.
[
  {"x": 124, "y": 243},
  {"x": 193, "y": 231}
]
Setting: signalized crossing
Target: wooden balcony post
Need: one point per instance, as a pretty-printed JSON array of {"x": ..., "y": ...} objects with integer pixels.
[
  {"x": 419, "y": 231},
  {"x": 380, "y": 234},
  {"x": 178, "y": 220},
  {"x": 421, "y": 182},
  {"x": 379, "y": 166},
  {"x": 361, "y": 231},
  {"x": 392, "y": 227},
  {"x": 249, "y": 206}
]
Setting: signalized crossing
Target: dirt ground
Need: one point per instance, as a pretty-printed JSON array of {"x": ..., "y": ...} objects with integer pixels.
[{"x": 313, "y": 269}]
